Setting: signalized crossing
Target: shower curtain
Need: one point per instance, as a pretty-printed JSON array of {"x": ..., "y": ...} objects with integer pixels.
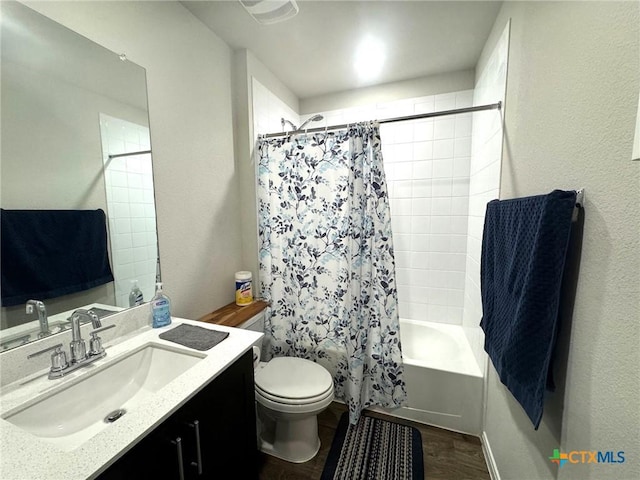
[{"x": 326, "y": 261}]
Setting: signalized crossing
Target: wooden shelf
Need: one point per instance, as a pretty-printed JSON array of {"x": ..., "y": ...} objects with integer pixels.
[{"x": 232, "y": 315}]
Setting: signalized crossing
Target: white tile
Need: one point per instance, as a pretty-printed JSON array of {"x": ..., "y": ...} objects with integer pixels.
[
  {"x": 134, "y": 180},
  {"x": 400, "y": 206},
  {"x": 458, "y": 262},
  {"x": 123, "y": 241},
  {"x": 420, "y": 206},
  {"x": 439, "y": 243},
  {"x": 420, "y": 260},
  {"x": 124, "y": 256},
  {"x": 458, "y": 225},
  {"x": 423, "y": 150},
  {"x": 443, "y": 168},
  {"x": 138, "y": 225},
  {"x": 149, "y": 211},
  {"x": 418, "y": 278},
  {"x": 422, "y": 170},
  {"x": 118, "y": 179},
  {"x": 438, "y": 296},
  {"x": 443, "y": 128},
  {"x": 441, "y": 206},
  {"x": 437, "y": 279},
  {"x": 120, "y": 210},
  {"x": 120, "y": 194},
  {"x": 420, "y": 223},
  {"x": 402, "y": 189},
  {"x": 427, "y": 105},
  {"x": 418, "y": 294},
  {"x": 138, "y": 210},
  {"x": 402, "y": 259},
  {"x": 419, "y": 242},
  {"x": 445, "y": 101},
  {"x": 402, "y": 276},
  {"x": 423, "y": 130},
  {"x": 122, "y": 225},
  {"x": 401, "y": 224},
  {"x": 462, "y": 147},
  {"x": 463, "y": 124},
  {"x": 459, "y": 205},
  {"x": 457, "y": 243},
  {"x": 403, "y": 308},
  {"x": 443, "y": 148},
  {"x": 404, "y": 133},
  {"x": 403, "y": 171},
  {"x": 441, "y": 187},
  {"x": 136, "y": 195},
  {"x": 421, "y": 188},
  {"x": 139, "y": 240},
  {"x": 418, "y": 311},
  {"x": 460, "y": 187},
  {"x": 404, "y": 152},
  {"x": 461, "y": 166},
  {"x": 437, "y": 313},
  {"x": 440, "y": 225},
  {"x": 390, "y": 171}
]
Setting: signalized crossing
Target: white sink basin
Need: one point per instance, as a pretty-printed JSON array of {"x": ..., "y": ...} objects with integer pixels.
[{"x": 70, "y": 416}]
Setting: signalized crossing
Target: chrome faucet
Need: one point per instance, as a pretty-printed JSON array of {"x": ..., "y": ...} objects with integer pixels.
[
  {"x": 77, "y": 346},
  {"x": 79, "y": 355},
  {"x": 42, "y": 316}
]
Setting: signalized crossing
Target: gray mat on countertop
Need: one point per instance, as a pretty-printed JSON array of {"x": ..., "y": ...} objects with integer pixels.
[{"x": 194, "y": 337}]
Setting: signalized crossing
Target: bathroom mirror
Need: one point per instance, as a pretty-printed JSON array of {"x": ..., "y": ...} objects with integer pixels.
[{"x": 75, "y": 136}]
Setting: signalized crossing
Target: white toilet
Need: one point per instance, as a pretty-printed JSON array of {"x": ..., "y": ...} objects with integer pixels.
[{"x": 290, "y": 393}]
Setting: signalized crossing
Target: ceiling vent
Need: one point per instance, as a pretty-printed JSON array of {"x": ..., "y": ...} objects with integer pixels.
[{"x": 270, "y": 11}]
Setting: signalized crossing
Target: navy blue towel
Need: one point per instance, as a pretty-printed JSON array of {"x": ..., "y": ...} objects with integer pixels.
[
  {"x": 524, "y": 247},
  {"x": 49, "y": 253}
]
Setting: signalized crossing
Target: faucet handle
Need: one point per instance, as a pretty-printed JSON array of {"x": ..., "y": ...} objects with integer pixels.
[
  {"x": 95, "y": 344},
  {"x": 58, "y": 357}
]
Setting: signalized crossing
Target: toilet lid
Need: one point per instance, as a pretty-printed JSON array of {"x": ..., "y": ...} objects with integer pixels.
[{"x": 293, "y": 378}]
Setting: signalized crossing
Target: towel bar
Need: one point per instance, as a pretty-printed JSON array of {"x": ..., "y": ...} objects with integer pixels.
[{"x": 579, "y": 204}]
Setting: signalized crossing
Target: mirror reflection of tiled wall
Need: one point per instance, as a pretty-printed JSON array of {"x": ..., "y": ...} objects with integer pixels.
[{"x": 131, "y": 207}]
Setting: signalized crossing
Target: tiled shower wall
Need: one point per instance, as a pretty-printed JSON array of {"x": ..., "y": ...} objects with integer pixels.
[
  {"x": 427, "y": 169},
  {"x": 131, "y": 207}
]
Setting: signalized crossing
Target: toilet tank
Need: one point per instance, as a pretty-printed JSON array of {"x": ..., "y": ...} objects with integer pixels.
[{"x": 256, "y": 324}]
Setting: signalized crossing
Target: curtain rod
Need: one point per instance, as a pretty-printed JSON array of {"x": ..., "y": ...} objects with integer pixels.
[
  {"x": 117, "y": 155},
  {"x": 491, "y": 106}
]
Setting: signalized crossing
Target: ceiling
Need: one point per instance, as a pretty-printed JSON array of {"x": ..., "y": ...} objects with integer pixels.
[{"x": 313, "y": 52}]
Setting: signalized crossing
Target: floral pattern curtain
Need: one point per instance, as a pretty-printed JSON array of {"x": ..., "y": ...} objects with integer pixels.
[{"x": 326, "y": 261}]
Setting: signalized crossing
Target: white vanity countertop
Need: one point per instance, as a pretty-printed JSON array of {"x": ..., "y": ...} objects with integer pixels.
[{"x": 27, "y": 457}]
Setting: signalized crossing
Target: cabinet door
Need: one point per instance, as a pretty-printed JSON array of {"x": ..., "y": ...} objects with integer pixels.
[
  {"x": 226, "y": 425},
  {"x": 213, "y": 434}
]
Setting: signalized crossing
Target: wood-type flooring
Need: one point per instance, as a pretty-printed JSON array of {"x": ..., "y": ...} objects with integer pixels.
[{"x": 447, "y": 455}]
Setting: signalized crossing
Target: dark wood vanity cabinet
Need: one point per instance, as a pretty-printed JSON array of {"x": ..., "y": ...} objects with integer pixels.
[{"x": 212, "y": 436}]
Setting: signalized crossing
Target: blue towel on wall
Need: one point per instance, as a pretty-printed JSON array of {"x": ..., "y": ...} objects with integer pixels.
[
  {"x": 49, "y": 253},
  {"x": 524, "y": 247}
]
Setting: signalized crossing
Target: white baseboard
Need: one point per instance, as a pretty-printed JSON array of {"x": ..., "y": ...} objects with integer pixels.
[{"x": 488, "y": 456}]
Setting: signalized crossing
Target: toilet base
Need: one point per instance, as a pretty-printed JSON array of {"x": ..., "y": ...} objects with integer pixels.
[{"x": 294, "y": 441}]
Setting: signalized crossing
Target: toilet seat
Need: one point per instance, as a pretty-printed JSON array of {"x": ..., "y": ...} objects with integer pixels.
[
  {"x": 293, "y": 380},
  {"x": 291, "y": 401}
]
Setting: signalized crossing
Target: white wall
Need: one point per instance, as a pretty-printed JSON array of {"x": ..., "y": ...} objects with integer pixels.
[
  {"x": 189, "y": 88},
  {"x": 275, "y": 100},
  {"x": 572, "y": 93}
]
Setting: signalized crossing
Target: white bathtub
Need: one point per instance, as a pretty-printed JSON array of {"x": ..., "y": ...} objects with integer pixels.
[{"x": 444, "y": 382}]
